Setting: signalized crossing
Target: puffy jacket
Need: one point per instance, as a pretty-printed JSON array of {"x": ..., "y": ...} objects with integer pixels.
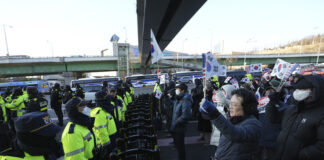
[
  {"x": 302, "y": 134},
  {"x": 181, "y": 112},
  {"x": 17, "y": 105},
  {"x": 78, "y": 142},
  {"x": 238, "y": 141},
  {"x": 104, "y": 126}
]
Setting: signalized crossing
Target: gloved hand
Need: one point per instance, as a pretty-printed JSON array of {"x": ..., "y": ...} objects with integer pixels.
[
  {"x": 274, "y": 97},
  {"x": 209, "y": 109}
]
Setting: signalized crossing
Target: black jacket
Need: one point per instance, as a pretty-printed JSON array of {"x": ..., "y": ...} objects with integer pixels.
[
  {"x": 302, "y": 134},
  {"x": 56, "y": 97}
]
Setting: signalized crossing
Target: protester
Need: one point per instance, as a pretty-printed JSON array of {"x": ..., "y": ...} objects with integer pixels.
[
  {"x": 169, "y": 99},
  {"x": 181, "y": 115},
  {"x": 302, "y": 123},
  {"x": 204, "y": 126},
  {"x": 223, "y": 97},
  {"x": 240, "y": 132}
]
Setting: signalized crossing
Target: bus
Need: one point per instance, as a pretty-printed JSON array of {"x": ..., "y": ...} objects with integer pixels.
[
  {"x": 142, "y": 80},
  {"x": 94, "y": 84},
  {"x": 41, "y": 85},
  {"x": 194, "y": 74}
]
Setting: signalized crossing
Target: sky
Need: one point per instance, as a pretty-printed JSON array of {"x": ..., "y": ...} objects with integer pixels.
[{"x": 45, "y": 28}]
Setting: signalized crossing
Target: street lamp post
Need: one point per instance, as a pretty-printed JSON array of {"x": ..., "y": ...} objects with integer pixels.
[
  {"x": 5, "y": 35},
  {"x": 182, "y": 51},
  {"x": 319, "y": 49}
]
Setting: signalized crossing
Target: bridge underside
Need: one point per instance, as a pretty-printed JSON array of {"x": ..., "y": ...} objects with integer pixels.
[
  {"x": 31, "y": 69},
  {"x": 166, "y": 18}
]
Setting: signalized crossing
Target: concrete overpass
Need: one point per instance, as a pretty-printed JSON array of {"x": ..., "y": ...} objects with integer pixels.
[
  {"x": 43, "y": 66},
  {"x": 166, "y": 18}
]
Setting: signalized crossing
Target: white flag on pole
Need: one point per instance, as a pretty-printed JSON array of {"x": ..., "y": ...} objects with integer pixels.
[
  {"x": 155, "y": 50},
  {"x": 280, "y": 68},
  {"x": 213, "y": 67}
]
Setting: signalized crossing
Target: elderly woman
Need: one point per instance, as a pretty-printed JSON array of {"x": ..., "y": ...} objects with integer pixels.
[{"x": 240, "y": 131}]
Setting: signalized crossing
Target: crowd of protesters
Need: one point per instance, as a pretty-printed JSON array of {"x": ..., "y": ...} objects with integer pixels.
[{"x": 252, "y": 118}]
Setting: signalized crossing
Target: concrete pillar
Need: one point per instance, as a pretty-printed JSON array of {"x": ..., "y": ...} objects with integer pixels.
[{"x": 68, "y": 77}]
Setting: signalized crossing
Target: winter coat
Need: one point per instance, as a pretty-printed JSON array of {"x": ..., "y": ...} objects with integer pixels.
[
  {"x": 238, "y": 141},
  {"x": 181, "y": 113},
  {"x": 302, "y": 134},
  {"x": 222, "y": 106}
]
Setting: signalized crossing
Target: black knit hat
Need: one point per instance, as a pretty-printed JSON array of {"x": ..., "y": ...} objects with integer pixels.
[
  {"x": 182, "y": 86},
  {"x": 302, "y": 83}
]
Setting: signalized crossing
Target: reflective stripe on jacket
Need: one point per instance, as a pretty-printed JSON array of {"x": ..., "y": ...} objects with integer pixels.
[{"x": 78, "y": 142}]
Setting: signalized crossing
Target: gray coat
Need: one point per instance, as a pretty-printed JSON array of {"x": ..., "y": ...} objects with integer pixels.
[{"x": 238, "y": 141}]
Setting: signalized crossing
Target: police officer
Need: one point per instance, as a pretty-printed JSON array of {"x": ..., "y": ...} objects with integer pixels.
[
  {"x": 4, "y": 129},
  {"x": 79, "y": 91},
  {"x": 36, "y": 136},
  {"x": 118, "y": 106},
  {"x": 35, "y": 101},
  {"x": 127, "y": 94},
  {"x": 104, "y": 86},
  {"x": 17, "y": 104},
  {"x": 131, "y": 88},
  {"x": 104, "y": 125},
  {"x": 120, "y": 93},
  {"x": 7, "y": 95},
  {"x": 78, "y": 139},
  {"x": 68, "y": 94},
  {"x": 56, "y": 102}
]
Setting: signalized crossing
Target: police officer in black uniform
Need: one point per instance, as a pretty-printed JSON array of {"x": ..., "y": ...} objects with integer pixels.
[
  {"x": 36, "y": 101},
  {"x": 56, "y": 102},
  {"x": 68, "y": 94},
  {"x": 79, "y": 91}
]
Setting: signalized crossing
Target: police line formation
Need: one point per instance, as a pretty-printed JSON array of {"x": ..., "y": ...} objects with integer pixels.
[{"x": 255, "y": 118}]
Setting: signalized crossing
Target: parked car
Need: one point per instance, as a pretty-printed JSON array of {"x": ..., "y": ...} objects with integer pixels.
[{"x": 185, "y": 79}]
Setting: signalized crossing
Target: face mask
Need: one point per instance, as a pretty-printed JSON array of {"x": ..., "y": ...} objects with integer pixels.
[
  {"x": 177, "y": 92},
  {"x": 86, "y": 111},
  {"x": 300, "y": 95}
]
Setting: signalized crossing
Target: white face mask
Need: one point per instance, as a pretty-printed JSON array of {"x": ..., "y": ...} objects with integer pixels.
[
  {"x": 300, "y": 95},
  {"x": 86, "y": 111},
  {"x": 177, "y": 92}
]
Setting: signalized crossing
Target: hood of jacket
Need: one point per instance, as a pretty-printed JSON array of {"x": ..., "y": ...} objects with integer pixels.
[
  {"x": 317, "y": 91},
  {"x": 228, "y": 88}
]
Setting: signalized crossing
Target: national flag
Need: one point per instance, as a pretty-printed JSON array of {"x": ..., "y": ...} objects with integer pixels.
[
  {"x": 256, "y": 68},
  {"x": 290, "y": 70},
  {"x": 235, "y": 83},
  {"x": 280, "y": 68},
  {"x": 213, "y": 67},
  {"x": 155, "y": 50},
  {"x": 257, "y": 93}
]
